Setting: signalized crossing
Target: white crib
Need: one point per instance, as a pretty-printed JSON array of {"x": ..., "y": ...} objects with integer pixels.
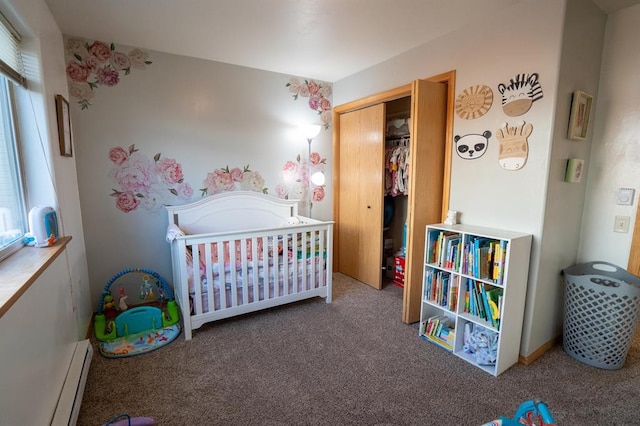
[{"x": 252, "y": 245}]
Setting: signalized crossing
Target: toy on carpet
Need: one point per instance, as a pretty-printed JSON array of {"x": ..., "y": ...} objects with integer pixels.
[
  {"x": 127, "y": 420},
  {"x": 530, "y": 413},
  {"x": 126, "y": 331}
]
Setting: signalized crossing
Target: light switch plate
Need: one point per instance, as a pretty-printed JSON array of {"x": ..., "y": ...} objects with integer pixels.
[
  {"x": 625, "y": 196},
  {"x": 622, "y": 224}
]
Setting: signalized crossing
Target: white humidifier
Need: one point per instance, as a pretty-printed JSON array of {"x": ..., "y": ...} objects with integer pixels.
[{"x": 43, "y": 226}]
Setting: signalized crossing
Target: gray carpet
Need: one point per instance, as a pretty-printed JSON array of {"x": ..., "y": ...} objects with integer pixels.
[{"x": 349, "y": 362}]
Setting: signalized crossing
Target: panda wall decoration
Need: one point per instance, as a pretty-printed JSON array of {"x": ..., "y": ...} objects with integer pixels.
[
  {"x": 472, "y": 146},
  {"x": 521, "y": 92}
]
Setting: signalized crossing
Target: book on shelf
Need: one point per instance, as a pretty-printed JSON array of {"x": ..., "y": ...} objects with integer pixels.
[
  {"x": 445, "y": 249},
  {"x": 485, "y": 303},
  {"x": 440, "y": 329},
  {"x": 495, "y": 270},
  {"x": 433, "y": 238},
  {"x": 466, "y": 300},
  {"x": 494, "y": 297},
  {"x": 503, "y": 255},
  {"x": 444, "y": 343},
  {"x": 452, "y": 296}
]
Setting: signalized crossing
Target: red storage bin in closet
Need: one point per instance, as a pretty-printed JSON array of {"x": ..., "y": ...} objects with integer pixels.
[{"x": 398, "y": 271}]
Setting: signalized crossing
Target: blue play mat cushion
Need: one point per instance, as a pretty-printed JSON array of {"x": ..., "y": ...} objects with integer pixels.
[{"x": 139, "y": 343}]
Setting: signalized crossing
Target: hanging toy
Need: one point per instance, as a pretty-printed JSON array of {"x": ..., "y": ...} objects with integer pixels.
[
  {"x": 109, "y": 306},
  {"x": 146, "y": 289},
  {"x": 161, "y": 295},
  {"x": 122, "y": 302}
]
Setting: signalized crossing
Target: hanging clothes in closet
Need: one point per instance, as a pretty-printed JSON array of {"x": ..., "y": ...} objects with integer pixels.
[{"x": 397, "y": 166}]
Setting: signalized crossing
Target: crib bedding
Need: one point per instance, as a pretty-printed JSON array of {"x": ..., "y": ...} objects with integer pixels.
[
  {"x": 285, "y": 261},
  {"x": 241, "y": 252},
  {"x": 285, "y": 285}
]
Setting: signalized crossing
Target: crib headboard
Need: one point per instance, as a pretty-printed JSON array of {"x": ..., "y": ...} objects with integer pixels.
[{"x": 232, "y": 211}]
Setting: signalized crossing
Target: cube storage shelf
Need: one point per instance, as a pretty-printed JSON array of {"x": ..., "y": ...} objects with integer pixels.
[{"x": 473, "y": 293}]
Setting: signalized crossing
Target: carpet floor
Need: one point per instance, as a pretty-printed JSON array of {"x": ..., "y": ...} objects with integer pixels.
[{"x": 352, "y": 361}]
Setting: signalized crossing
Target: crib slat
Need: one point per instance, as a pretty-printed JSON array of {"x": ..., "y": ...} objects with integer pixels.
[
  {"x": 304, "y": 260},
  {"x": 243, "y": 268},
  {"x": 254, "y": 269},
  {"x": 276, "y": 264},
  {"x": 322, "y": 261},
  {"x": 197, "y": 280},
  {"x": 209, "y": 278},
  {"x": 266, "y": 243},
  {"x": 233, "y": 274},
  {"x": 314, "y": 258},
  {"x": 295, "y": 241},
  {"x": 285, "y": 264},
  {"x": 222, "y": 275}
]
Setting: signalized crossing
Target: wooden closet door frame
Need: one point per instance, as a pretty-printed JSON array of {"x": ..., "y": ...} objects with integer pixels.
[
  {"x": 633, "y": 265},
  {"x": 448, "y": 78}
]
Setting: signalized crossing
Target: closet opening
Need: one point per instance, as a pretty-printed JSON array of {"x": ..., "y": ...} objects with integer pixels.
[
  {"x": 365, "y": 240},
  {"x": 396, "y": 189}
]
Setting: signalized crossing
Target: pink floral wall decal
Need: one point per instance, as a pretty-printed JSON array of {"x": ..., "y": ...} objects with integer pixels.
[
  {"x": 144, "y": 182},
  {"x": 318, "y": 94},
  {"x": 296, "y": 179},
  {"x": 223, "y": 180},
  {"x": 96, "y": 64}
]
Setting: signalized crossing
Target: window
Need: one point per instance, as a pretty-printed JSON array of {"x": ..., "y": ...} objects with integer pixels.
[
  {"x": 12, "y": 211},
  {"x": 13, "y": 223}
]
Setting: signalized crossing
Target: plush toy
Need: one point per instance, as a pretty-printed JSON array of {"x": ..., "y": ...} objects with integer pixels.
[
  {"x": 293, "y": 220},
  {"x": 109, "y": 306},
  {"x": 452, "y": 217}
]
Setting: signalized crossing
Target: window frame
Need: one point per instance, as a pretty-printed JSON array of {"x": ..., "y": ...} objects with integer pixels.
[{"x": 9, "y": 86}]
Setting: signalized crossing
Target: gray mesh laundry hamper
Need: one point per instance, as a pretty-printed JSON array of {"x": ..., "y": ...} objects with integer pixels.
[{"x": 601, "y": 311}]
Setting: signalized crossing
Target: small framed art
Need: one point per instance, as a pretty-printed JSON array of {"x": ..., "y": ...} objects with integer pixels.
[
  {"x": 574, "y": 170},
  {"x": 580, "y": 114},
  {"x": 64, "y": 126}
]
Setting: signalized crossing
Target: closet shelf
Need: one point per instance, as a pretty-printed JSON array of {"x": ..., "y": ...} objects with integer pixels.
[{"x": 398, "y": 140}]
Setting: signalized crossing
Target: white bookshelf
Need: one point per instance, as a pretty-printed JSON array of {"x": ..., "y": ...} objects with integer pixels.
[{"x": 498, "y": 270}]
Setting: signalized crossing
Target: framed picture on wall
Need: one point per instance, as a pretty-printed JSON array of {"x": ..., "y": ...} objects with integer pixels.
[
  {"x": 580, "y": 114},
  {"x": 64, "y": 126}
]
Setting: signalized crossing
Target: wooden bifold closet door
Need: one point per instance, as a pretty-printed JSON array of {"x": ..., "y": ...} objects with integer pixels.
[
  {"x": 359, "y": 144},
  {"x": 361, "y": 194}
]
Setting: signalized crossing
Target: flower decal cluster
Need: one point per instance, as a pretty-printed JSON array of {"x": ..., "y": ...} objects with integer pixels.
[
  {"x": 296, "y": 179},
  {"x": 148, "y": 183},
  {"x": 318, "y": 94},
  {"x": 225, "y": 179},
  {"x": 95, "y": 64}
]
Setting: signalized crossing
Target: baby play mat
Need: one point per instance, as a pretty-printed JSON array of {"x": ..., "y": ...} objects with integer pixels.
[
  {"x": 123, "y": 330},
  {"x": 135, "y": 344}
]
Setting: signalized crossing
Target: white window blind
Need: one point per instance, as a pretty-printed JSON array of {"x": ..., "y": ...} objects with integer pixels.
[{"x": 10, "y": 59}]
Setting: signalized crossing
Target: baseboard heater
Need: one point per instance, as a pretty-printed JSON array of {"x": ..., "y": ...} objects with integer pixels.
[{"x": 68, "y": 406}]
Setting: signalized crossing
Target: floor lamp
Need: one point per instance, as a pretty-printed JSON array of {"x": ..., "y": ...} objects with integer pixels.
[{"x": 310, "y": 131}]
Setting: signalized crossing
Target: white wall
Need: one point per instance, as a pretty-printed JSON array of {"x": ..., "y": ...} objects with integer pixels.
[
  {"x": 37, "y": 347},
  {"x": 525, "y": 38},
  {"x": 205, "y": 115},
  {"x": 39, "y": 332},
  {"x": 579, "y": 69},
  {"x": 50, "y": 178},
  {"x": 615, "y": 151}
]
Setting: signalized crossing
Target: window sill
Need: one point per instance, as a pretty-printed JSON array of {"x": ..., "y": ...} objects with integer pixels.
[{"x": 23, "y": 268}]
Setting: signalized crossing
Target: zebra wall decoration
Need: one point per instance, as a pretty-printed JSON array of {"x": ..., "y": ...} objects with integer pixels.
[{"x": 521, "y": 92}]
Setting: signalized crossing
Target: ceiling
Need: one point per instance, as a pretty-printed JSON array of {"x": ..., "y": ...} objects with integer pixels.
[{"x": 321, "y": 39}]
